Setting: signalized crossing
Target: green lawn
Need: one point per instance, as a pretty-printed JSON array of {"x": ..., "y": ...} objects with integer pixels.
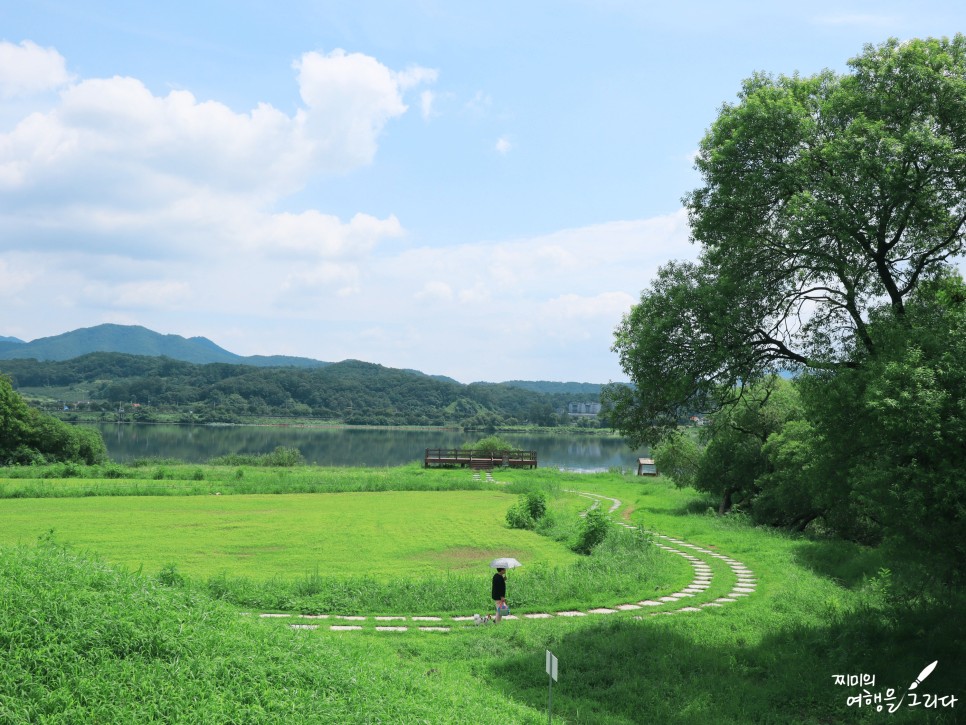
[{"x": 394, "y": 533}]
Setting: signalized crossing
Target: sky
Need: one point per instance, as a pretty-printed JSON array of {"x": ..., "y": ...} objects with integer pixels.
[{"x": 477, "y": 190}]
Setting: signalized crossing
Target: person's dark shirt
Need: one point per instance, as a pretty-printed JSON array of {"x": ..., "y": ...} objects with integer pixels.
[{"x": 499, "y": 586}]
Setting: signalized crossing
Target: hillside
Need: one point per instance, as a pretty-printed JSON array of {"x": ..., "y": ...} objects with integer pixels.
[
  {"x": 351, "y": 392},
  {"x": 137, "y": 340}
]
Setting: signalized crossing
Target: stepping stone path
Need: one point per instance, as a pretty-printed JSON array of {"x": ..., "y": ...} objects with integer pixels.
[{"x": 699, "y": 558}]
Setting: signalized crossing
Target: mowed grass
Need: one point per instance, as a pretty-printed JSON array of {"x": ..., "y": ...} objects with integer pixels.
[{"x": 261, "y": 537}]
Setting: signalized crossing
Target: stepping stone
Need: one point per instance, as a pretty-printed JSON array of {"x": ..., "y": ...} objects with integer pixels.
[
  {"x": 392, "y": 629},
  {"x": 603, "y": 610},
  {"x": 427, "y": 619},
  {"x": 725, "y": 599},
  {"x": 689, "y": 609},
  {"x": 668, "y": 599},
  {"x": 681, "y": 595},
  {"x": 649, "y": 603},
  {"x": 628, "y": 607},
  {"x": 571, "y": 614},
  {"x": 460, "y": 619},
  {"x": 694, "y": 590},
  {"x": 744, "y": 590},
  {"x": 538, "y": 615},
  {"x": 350, "y": 617},
  {"x": 274, "y": 616},
  {"x": 510, "y": 616},
  {"x": 712, "y": 604},
  {"x": 394, "y": 619},
  {"x": 737, "y": 594},
  {"x": 304, "y": 626},
  {"x": 436, "y": 629},
  {"x": 344, "y": 627},
  {"x": 314, "y": 616}
]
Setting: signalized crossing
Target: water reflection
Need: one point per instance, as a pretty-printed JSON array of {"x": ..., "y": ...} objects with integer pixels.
[{"x": 352, "y": 446}]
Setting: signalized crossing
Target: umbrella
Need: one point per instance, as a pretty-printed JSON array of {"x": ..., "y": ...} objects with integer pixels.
[{"x": 505, "y": 562}]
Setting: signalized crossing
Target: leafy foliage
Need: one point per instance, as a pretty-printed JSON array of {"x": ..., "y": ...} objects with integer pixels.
[
  {"x": 822, "y": 196},
  {"x": 28, "y": 436}
]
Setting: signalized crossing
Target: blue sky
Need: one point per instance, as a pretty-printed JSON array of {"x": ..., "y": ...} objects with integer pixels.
[{"x": 478, "y": 190}]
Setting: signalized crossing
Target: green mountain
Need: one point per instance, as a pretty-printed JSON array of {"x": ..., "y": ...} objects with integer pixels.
[
  {"x": 10, "y": 339},
  {"x": 137, "y": 340}
]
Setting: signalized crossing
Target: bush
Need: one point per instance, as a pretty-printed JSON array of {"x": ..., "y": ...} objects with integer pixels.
[
  {"x": 527, "y": 512},
  {"x": 491, "y": 444},
  {"x": 518, "y": 516},
  {"x": 592, "y": 533}
]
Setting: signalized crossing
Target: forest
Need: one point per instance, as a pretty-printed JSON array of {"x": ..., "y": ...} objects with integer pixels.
[{"x": 135, "y": 387}]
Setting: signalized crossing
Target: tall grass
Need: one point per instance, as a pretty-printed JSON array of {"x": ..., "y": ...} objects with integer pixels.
[
  {"x": 82, "y": 642},
  {"x": 178, "y": 479},
  {"x": 627, "y": 567}
]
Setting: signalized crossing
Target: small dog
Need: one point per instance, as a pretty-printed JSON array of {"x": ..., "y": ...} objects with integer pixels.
[{"x": 478, "y": 620}]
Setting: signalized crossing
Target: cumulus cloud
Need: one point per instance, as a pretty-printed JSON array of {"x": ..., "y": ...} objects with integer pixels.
[
  {"x": 113, "y": 168},
  {"x": 503, "y": 146},
  {"x": 28, "y": 69}
]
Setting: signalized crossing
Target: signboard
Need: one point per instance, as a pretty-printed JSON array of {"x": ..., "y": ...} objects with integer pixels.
[{"x": 551, "y": 665}]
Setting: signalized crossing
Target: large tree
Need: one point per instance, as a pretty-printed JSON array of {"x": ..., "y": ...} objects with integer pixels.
[{"x": 823, "y": 197}]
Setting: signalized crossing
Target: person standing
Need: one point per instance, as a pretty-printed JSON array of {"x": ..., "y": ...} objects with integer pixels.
[{"x": 498, "y": 593}]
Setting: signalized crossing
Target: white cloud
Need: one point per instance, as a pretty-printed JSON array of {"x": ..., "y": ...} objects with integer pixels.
[
  {"x": 13, "y": 281},
  {"x": 162, "y": 294},
  {"x": 503, "y": 146},
  {"x": 28, "y": 69},
  {"x": 435, "y": 290},
  {"x": 426, "y": 101},
  {"x": 608, "y": 305},
  {"x": 116, "y": 169},
  {"x": 349, "y": 97},
  {"x": 479, "y": 103}
]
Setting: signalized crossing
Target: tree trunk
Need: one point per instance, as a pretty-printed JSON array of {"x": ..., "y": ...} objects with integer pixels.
[{"x": 725, "y": 505}]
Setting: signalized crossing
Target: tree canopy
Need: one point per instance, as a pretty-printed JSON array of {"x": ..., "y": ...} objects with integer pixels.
[
  {"x": 823, "y": 198},
  {"x": 830, "y": 220}
]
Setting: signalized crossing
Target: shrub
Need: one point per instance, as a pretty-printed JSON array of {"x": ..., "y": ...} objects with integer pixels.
[
  {"x": 592, "y": 533},
  {"x": 536, "y": 504},
  {"x": 491, "y": 444},
  {"x": 518, "y": 517}
]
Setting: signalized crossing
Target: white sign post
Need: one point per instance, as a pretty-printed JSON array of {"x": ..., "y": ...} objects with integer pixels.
[{"x": 552, "y": 671}]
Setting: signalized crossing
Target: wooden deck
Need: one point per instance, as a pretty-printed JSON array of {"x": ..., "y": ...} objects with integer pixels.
[{"x": 474, "y": 459}]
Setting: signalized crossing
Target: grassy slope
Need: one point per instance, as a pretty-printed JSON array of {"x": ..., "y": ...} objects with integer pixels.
[{"x": 81, "y": 634}]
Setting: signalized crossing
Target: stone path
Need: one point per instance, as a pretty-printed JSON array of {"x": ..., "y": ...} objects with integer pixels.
[{"x": 702, "y": 560}]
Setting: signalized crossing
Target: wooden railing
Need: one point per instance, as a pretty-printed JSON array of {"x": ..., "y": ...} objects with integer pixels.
[{"x": 463, "y": 457}]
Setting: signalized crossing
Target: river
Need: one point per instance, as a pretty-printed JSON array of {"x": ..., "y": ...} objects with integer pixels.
[{"x": 353, "y": 446}]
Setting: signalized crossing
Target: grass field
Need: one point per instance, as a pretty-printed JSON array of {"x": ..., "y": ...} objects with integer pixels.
[
  {"x": 87, "y": 642},
  {"x": 394, "y": 533}
]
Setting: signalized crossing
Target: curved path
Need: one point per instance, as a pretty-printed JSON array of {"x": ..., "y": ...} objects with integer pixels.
[{"x": 693, "y": 597}]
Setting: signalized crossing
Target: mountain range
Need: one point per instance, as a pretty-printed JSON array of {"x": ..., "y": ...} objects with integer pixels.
[{"x": 138, "y": 340}]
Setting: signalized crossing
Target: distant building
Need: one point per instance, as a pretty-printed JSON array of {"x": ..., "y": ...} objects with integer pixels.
[
  {"x": 583, "y": 408},
  {"x": 646, "y": 467}
]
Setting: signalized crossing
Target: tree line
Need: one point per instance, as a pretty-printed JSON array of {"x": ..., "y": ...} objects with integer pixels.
[{"x": 350, "y": 392}]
